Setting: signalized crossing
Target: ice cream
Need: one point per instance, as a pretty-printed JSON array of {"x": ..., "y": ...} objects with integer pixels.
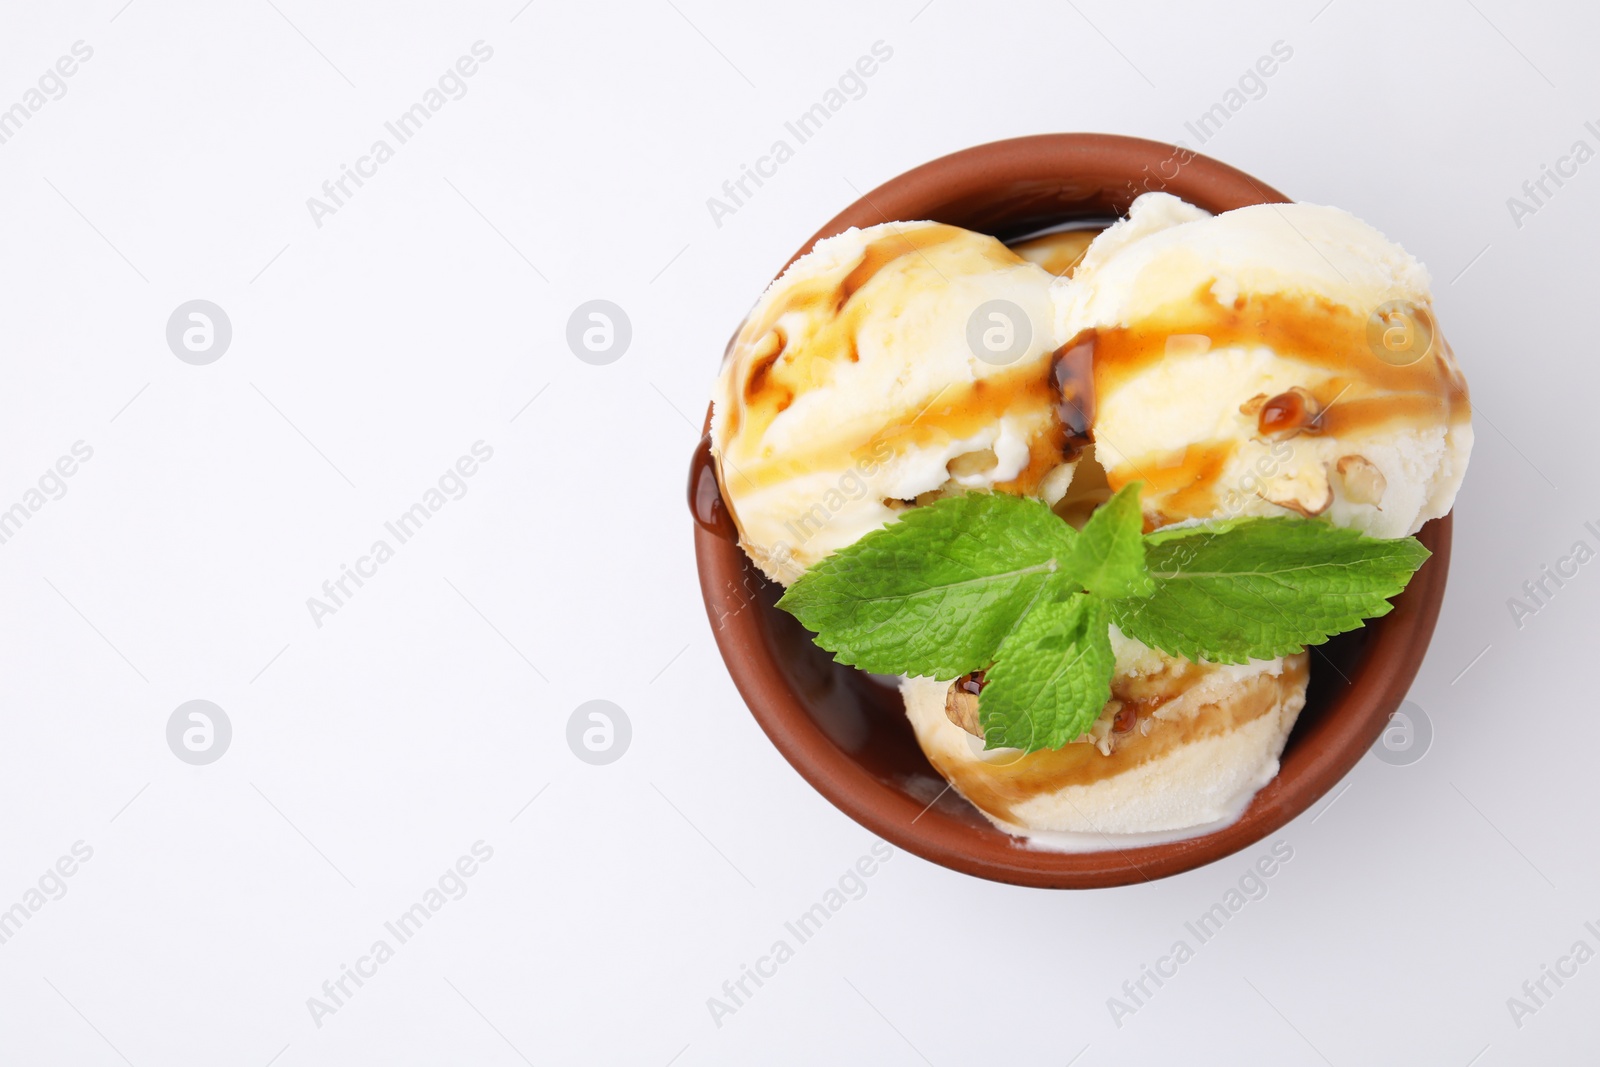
[
  {"x": 853, "y": 388},
  {"x": 1180, "y": 749},
  {"x": 1272, "y": 360},
  {"x": 1183, "y": 750}
]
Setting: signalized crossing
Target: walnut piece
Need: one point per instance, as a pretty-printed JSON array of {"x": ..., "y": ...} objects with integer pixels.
[
  {"x": 1364, "y": 483},
  {"x": 1306, "y": 491},
  {"x": 970, "y": 463},
  {"x": 961, "y": 703},
  {"x": 1289, "y": 414}
]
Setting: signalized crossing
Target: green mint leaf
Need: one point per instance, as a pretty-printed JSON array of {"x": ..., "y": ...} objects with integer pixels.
[
  {"x": 935, "y": 593},
  {"x": 1051, "y": 677},
  {"x": 1108, "y": 558},
  {"x": 1259, "y": 588}
]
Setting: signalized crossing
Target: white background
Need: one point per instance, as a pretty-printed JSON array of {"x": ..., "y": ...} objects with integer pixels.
[{"x": 368, "y": 354}]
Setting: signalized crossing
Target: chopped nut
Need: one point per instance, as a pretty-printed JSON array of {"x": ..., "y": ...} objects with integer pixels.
[
  {"x": 969, "y": 464},
  {"x": 1306, "y": 491},
  {"x": 1101, "y": 737},
  {"x": 1123, "y": 716},
  {"x": 1057, "y": 482},
  {"x": 1309, "y": 510},
  {"x": 1253, "y": 405},
  {"x": 1364, "y": 483},
  {"x": 1288, "y": 414},
  {"x": 961, "y": 702}
]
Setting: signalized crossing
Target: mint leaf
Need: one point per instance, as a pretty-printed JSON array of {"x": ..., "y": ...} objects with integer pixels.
[
  {"x": 935, "y": 593},
  {"x": 1051, "y": 678},
  {"x": 1108, "y": 558},
  {"x": 1257, "y": 588},
  {"x": 991, "y": 581}
]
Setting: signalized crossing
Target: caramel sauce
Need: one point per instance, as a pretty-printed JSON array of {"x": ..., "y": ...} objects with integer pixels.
[
  {"x": 1126, "y": 719},
  {"x": 1186, "y": 481},
  {"x": 1297, "y": 326},
  {"x": 999, "y": 787},
  {"x": 781, "y": 367},
  {"x": 1348, "y": 416},
  {"x": 705, "y": 494},
  {"x": 761, "y": 366},
  {"x": 1072, "y": 377},
  {"x": 1283, "y": 414},
  {"x": 884, "y": 251},
  {"x": 1365, "y": 394},
  {"x": 956, "y": 413},
  {"x": 780, "y": 370},
  {"x": 971, "y": 683}
]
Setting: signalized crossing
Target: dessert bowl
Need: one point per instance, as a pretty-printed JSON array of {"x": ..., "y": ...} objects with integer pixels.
[{"x": 846, "y": 732}]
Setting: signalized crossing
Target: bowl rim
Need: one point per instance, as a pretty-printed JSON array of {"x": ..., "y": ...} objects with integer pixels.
[{"x": 1396, "y": 642}]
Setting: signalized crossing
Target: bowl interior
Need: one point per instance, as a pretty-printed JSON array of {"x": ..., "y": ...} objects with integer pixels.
[{"x": 846, "y": 732}]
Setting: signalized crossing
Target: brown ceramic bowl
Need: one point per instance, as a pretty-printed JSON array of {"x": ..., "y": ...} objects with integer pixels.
[{"x": 847, "y": 734}]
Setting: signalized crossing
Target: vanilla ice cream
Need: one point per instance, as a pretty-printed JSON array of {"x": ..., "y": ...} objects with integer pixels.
[
  {"x": 1273, "y": 359},
  {"x": 1195, "y": 743},
  {"x": 856, "y": 386}
]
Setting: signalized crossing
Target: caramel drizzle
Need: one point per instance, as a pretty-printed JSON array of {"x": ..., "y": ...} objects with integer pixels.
[
  {"x": 772, "y": 381},
  {"x": 780, "y": 367},
  {"x": 955, "y": 414},
  {"x": 1365, "y": 394},
  {"x": 1298, "y": 326},
  {"x": 1000, "y": 788}
]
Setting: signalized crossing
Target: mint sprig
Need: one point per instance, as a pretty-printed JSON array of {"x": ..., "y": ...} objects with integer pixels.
[{"x": 1000, "y": 583}]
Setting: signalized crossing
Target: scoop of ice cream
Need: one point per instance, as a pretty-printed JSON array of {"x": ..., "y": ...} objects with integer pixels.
[
  {"x": 1180, "y": 749},
  {"x": 886, "y": 364},
  {"x": 1272, "y": 359}
]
